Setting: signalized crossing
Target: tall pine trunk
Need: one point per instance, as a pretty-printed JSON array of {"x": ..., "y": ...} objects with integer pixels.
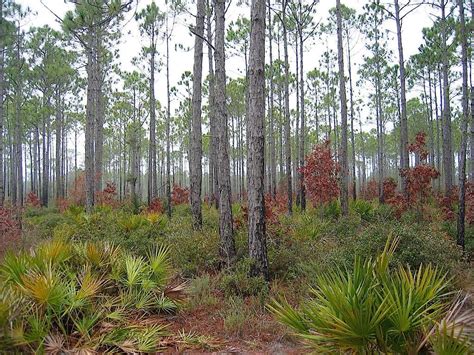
[
  {"x": 446, "y": 114},
  {"x": 342, "y": 94},
  {"x": 271, "y": 118},
  {"x": 464, "y": 124},
  {"x": 287, "y": 110},
  {"x": 256, "y": 142},
  {"x": 196, "y": 134},
  {"x": 227, "y": 244},
  {"x": 404, "y": 159}
]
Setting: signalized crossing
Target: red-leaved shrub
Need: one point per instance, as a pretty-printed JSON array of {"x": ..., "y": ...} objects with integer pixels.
[
  {"x": 155, "y": 206},
  {"x": 321, "y": 175},
  {"x": 108, "y": 196},
  {"x": 32, "y": 200},
  {"x": 419, "y": 178},
  {"x": 9, "y": 230},
  {"x": 179, "y": 195}
]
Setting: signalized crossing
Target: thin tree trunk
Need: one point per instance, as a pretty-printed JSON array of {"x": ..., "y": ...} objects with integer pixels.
[
  {"x": 2, "y": 90},
  {"x": 168, "y": 124},
  {"x": 447, "y": 137},
  {"x": 342, "y": 94},
  {"x": 404, "y": 163},
  {"x": 351, "y": 98},
  {"x": 213, "y": 186},
  {"x": 57, "y": 166},
  {"x": 464, "y": 124},
  {"x": 303, "y": 123},
  {"x": 271, "y": 110},
  {"x": 196, "y": 134},
  {"x": 287, "y": 111},
  {"x": 152, "y": 182},
  {"x": 227, "y": 244}
]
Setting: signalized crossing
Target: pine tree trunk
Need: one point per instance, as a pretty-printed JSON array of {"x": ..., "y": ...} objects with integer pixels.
[
  {"x": 152, "y": 181},
  {"x": 296, "y": 159},
  {"x": 464, "y": 124},
  {"x": 271, "y": 118},
  {"x": 168, "y": 124},
  {"x": 2, "y": 90},
  {"x": 404, "y": 159},
  {"x": 342, "y": 94},
  {"x": 213, "y": 188},
  {"x": 446, "y": 114},
  {"x": 227, "y": 244},
  {"x": 287, "y": 111},
  {"x": 303, "y": 123},
  {"x": 351, "y": 98},
  {"x": 91, "y": 112},
  {"x": 57, "y": 167},
  {"x": 256, "y": 142},
  {"x": 196, "y": 134}
]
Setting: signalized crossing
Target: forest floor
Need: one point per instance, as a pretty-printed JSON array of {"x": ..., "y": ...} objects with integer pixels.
[{"x": 225, "y": 311}]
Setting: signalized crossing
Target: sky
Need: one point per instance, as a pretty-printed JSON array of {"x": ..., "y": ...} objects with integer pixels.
[{"x": 181, "y": 58}]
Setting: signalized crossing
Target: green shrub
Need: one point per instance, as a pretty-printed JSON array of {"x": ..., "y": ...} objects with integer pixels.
[
  {"x": 237, "y": 282},
  {"x": 331, "y": 210},
  {"x": 235, "y": 315},
  {"x": 371, "y": 309},
  {"x": 200, "y": 292},
  {"x": 364, "y": 209}
]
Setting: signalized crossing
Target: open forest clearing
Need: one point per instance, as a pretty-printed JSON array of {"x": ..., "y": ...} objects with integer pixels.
[{"x": 302, "y": 183}]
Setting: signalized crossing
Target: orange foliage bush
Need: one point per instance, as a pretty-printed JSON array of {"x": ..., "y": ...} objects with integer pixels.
[
  {"x": 371, "y": 191},
  {"x": 32, "y": 200},
  {"x": 321, "y": 175},
  {"x": 179, "y": 195},
  {"x": 108, "y": 196},
  {"x": 9, "y": 230},
  {"x": 155, "y": 206}
]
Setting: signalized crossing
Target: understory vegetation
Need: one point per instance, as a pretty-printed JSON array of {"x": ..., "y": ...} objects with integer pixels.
[{"x": 141, "y": 282}]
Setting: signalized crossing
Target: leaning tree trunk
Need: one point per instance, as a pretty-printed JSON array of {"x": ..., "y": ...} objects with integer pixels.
[
  {"x": 196, "y": 133},
  {"x": 342, "y": 94},
  {"x": 227, "y": 243},
  {"x": 464, "y": 124},
  {"x": 256, "y": 142}
]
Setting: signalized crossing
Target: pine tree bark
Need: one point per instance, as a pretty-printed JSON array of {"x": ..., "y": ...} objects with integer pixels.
[
  {"x": 303, "y": 121},
  {"x": 2, "y": 91},
  {"x": 351, "y": 98},
  {"x": 196, "y": 133},
  {"x": 57, "y": 167},
  {"x": 227, "y": 244},
  {"x": 152, "y": 180},
  {"x": 404, "y": 159},
  {"x": 168, "y": 124},
  {"x": 287, "y": 110},
  {"x": 464, "y": 124},
  {"x": 256, "y": 142},
  {"x": 342, "y": 95},
  {"x": 446, "y": 114},
  {"x": 273, "y": 183},
  {"x": 213, "y": 187}
]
